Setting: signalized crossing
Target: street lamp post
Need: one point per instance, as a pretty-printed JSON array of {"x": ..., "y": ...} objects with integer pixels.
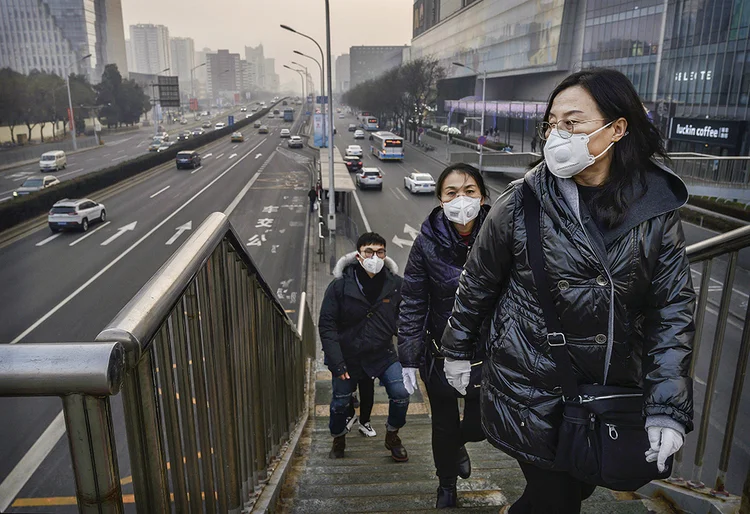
[
  {"x": 309, "y": 79},
  {"x": 322, "y": 78},
  {"x": 70, "y": 102},
  {"x": 156, "y": 125},
  {"x": 327, "y": 124},
  {"x": 192, "y": 80},
  {"x": 484, "y": 89},
  {"x": 300, "y": 76}
]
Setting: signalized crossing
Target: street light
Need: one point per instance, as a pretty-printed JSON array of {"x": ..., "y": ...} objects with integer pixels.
[
  {"x": 484, "y": 84},
  {"x": 309, "y": 79},
  {"x": 192, "y": 80},
  {"x": 329, "y": 107},
  {"x": 156, "y": 125},
  {"x": 70, "y": 101},
  {"x": 300, "y": 76},
  {"x": 322, "y": 79}
]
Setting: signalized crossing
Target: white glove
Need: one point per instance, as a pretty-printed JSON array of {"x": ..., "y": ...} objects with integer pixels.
[
  {"x": 458, "y": 374},
  {"x": 664, "y": 442},
  {"x": 409, "y": 376}
]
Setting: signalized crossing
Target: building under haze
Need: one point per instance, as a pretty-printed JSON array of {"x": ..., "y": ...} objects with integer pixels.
[
  {"x": 151, "y": 51},
  {"x": 256, "y": 61},
  {"x": 55, "y": 35},
  {"x": 183, "y": 61},
  {"x": 224, "y": 72},
  {"x": 369, "y": 62},
  {"x": 270, "y": 78},
  {"x": 342, "y": 74},
  {"x": 697, "y": 75}
]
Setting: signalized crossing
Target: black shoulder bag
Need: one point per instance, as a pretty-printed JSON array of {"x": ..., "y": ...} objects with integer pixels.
[{"x": 602, "y": 438}]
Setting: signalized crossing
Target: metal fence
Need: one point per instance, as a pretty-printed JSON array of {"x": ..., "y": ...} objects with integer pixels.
[
  {"x": 702, "y": 169},
  {"x": 212, "y": 373}
]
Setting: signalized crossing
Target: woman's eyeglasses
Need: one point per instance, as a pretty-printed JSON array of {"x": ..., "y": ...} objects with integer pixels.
[{"x": 565, "y": 128}]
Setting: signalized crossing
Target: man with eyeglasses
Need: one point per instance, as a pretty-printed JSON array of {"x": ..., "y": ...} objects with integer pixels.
[{"x": 358, "y": 320}]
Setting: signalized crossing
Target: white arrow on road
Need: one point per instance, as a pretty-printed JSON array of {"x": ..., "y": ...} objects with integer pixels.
[
  {"x": 180, "y": 230},
  {"x": 207, "y": 155},
  {"x": 411, "y": 231},
  {"x": 402, "y": 242},
  {"x": 233, "y": 156},
  {"x": 120, "y": 231},
  {"x": 258, "y": 156}
]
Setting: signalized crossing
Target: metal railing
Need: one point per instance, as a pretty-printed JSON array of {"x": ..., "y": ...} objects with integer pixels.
[
  {"x": 213, "y": 376},
  {"x": 712, "y": 170},
  {"x": 721, "y": 252}
]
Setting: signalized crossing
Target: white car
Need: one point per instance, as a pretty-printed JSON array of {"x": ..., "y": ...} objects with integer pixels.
[
  {"x": 270, "y": 116},
  {"x": 354, "y": 150},
  {"x": 295, "y": 142},
  {"x": 419, "y": 183},
  {"x": 359, "y": 134},
  {"x": 75, "y": 214},
  {"x": 34, "y": 184},
  {"x": 220, "y": 125},
  {"x": 285, "y": 133},
  {"x": 370, "y": 177}
]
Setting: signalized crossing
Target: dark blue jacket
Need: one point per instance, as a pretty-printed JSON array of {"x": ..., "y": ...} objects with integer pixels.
[{"x": 429, "y": 289}]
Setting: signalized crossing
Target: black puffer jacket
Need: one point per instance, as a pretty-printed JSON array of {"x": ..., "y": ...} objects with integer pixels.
[
  {"x": 652, "y": 322},
  {"x": 430, "y": 282},
  {"x": 357, "y": 335}
]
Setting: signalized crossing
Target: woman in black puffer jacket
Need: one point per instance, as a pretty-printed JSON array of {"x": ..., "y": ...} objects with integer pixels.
[
  {"x": 428, "y": 291},
  {"x": 619, "y": 279}
]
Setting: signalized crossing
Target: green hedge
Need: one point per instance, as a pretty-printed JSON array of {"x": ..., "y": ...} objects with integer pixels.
[
  {"x": 729, "y": 208},
  {"x": 16, "y": 211},
  {"x": 472, "y": 140}
]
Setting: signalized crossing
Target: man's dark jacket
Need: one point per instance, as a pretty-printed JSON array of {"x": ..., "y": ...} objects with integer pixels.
[
  {"x": 651, "y": 307},
  {"x": 357, "y": 335}
]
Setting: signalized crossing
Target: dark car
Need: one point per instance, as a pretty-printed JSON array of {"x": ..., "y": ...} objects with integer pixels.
[
  {"x": 188, "y": 159},
  {"x": 353, "y": 163},
  {"x": 184, "y": 136},
  {"x": 352, "y": 127}
]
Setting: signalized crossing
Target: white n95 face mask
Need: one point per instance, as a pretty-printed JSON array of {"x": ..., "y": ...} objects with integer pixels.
[
  {"x": 566, "y": 158},
  {"x": 462, "y": 209},
  {"x": 372, "y": 264}
]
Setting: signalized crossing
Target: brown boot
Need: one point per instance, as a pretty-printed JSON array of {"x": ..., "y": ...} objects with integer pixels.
[
  {"x": 337, "y": 450},
  {"x": 393, "y": 443}
]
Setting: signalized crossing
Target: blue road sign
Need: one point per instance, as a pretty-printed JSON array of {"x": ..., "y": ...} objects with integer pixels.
[
  {"x": 321, "y": 99},
  {"x": 481, "y": 140},
  {"x": 230, "y": 120}
]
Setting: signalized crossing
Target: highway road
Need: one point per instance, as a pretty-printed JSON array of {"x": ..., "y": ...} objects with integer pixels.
[
  {"x": 68, "y": 286},
  {"x": 117, "y": 147}
]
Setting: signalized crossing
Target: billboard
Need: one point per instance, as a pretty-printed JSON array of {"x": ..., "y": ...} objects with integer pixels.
[
  {"x": 318, "y": 129},
  {"x": 169, "y": 91},
  {"x": 707, "y": 131}
]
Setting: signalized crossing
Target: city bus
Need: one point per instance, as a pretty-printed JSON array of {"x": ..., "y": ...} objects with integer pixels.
[
  {"x": 370, "y": 123},
  {"x": 387, "y": 146}
]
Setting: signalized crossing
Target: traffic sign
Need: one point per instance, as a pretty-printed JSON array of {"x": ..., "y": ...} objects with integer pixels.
[
  {"x": 230, "y": 120},
  {"x": 481, "y": 140},
  {"x": 321, "y": 99},
  {"x": 420, "y": 131}
]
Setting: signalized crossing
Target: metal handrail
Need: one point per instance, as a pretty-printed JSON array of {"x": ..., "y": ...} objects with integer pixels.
[{"x": 212, "y": 374}]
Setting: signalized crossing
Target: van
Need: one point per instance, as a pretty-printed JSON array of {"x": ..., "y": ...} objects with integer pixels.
[{"x": 54, "y": 160}]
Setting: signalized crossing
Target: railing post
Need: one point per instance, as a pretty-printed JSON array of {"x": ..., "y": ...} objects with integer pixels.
[
  {"x": 745, "y": 505},
  {"x": 88, "y": 421}
]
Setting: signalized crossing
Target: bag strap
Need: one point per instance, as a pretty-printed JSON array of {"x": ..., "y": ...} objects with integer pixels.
[{"x": 555, "y": 337}]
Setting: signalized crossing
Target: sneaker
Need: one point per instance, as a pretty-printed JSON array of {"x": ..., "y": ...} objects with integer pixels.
[
  {"x": 366, "y": 430},
  {"x": 350, "y": 422}
]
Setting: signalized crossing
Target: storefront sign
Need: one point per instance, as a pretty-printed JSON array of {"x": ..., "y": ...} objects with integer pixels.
[{"x": 712, "y": 132}]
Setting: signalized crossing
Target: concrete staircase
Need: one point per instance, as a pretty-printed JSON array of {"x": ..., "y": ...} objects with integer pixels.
[{"x": 367, "y": 480}]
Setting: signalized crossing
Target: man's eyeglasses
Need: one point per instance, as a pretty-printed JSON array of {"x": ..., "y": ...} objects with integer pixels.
[{"x": 369, "y": 252}]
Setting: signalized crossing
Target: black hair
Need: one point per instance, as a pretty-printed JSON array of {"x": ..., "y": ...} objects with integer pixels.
[
  {"x": 464, "y": 169},
  {"x": 369, "y": 238},
  {"x": 616, "y": 97}
]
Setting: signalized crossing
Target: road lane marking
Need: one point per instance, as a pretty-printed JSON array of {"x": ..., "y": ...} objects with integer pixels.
[
  {"x": 91, "y": 233},
  {"x": 220, "y": 156},
  {"x": 120, "y": 231},
  {"x": 243, "y": 192},
  {"x": 182, "y": 228},
  {"x": 70, "y": 173},
  {"x": 107, "y": 154},
  {"x": 196, "y": 169},
  {"x": 160, "y": 191},
  {"x": 233, "y": 156},
  {"x": 120, "y": 158},
  {"x": 744, "y": 295},
  {"x": 50, "y": 238},
  {"x": 362, "y": 212},
  {"x": 31, "y": 461},
  {"x": 132, "y": 247},
  {"x": 235, "y": 147},
  {"x": 6, "y": 198},
  {"x": 207, "y": 155}
]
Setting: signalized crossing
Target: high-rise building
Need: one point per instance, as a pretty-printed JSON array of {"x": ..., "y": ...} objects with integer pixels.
[
  {"x": 151, "y": 48},
  {"x": 369, "y": 62},
  {"x": 129, "y": 55},
  {"x": 200, "y": 75},
  {"x": 270, "y": 78},
  {"x": 342, "y": 78},
  {"x": 183, "y": 61},
  {"x": 255, "y": 57},
  {"x": 247, "y": 75},
  {"x": 55, "y": 36},
  {"x": 224, "y": 72}
]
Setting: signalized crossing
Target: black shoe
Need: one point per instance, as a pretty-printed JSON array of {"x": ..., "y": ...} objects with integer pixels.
[
  {"x": 447, "y": 496},
  {"x": 464, "y": 463},
  {"x": 337, "y": 450},
  {"x": 393, "y": 443},
  {"x": 355, "y": 401}
]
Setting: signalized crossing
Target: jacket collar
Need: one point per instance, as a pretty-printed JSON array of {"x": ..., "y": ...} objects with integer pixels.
[{"x": 439, "y": 229}]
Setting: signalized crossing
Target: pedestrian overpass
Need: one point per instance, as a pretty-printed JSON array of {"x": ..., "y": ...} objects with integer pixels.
[{"x": 226, "y": 408}]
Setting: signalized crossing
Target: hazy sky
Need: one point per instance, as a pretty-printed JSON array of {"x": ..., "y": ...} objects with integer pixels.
[{"x": 234, "y": 24}]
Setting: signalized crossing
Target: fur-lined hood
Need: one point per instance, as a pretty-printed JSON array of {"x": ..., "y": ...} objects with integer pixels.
[{"x": 351, "y": 258}]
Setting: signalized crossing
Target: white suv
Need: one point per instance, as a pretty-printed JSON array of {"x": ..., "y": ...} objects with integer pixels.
[{"x": 76, "y": 214}]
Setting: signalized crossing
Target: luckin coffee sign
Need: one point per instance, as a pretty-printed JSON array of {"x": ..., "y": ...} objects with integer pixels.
[{"x": 707, "y": 131}]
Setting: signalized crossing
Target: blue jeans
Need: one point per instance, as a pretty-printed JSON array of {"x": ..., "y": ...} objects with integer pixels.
[{"x": 341, "y": 396}]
